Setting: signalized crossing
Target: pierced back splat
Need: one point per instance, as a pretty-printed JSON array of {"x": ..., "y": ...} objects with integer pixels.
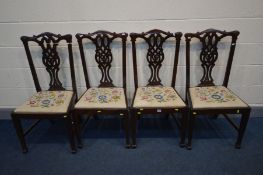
[
  {"x": 103, "y": 57},
  {"x": 103, "y": 54},
  {"x": 209, "y": 53},
  {"x": 50, "y": 58},
  {"x": 208, "y": 56},
  {"x": 155, "y": 55}
]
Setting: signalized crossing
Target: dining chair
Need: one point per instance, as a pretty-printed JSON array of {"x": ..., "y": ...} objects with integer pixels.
[
  {"x": 207, "y": 98},
  {"x": 54, "y": 103},
  {"x": 155, "y": 98},
  {"x": 106, "y": 98}
]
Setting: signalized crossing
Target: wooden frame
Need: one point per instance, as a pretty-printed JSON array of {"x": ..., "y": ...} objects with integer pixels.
[
  {"x": 155, "y": 39},
  {"x": 208, "y": 56},
  {"x": 48, "y": 43},
  {"x": 103, "y": 56}
]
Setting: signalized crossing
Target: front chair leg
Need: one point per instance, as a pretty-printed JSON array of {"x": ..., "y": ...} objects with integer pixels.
[
  {"x": 133, "y": 129},
  {"x": 70, "y": 127},
  {"x": 19, "y": 132},
  {"x": 190, "y": 131},
  {"x": 126, "y": 130},
  {"x": 242, "y": 128},
  {"x": 77, "y": 129},
  {"x": 183, "y": 128}
]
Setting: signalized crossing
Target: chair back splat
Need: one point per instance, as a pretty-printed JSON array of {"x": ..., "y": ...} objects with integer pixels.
[
  {"x": 209, "y": 54},
  {"x": 103, "y": 55},
  {"x": 155, "y": 55},
  {"x": 49, "y": 43}
]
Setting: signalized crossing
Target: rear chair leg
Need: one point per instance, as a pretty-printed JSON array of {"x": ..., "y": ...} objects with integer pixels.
[
  {"x": 95, "y": 116},
  {"x": 215, "y": 116}
]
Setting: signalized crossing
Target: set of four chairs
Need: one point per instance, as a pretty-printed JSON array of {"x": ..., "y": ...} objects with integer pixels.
[{"x": 154, "y": 98}]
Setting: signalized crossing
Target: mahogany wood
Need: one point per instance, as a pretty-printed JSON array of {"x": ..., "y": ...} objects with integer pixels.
[
  {"x": 103, "y": 41},
  {"x": 48, "y": 42},
  {"x": 155, "y": 39},
  {"x": 209, "y": 40}
]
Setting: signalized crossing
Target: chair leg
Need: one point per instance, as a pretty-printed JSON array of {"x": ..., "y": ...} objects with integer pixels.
[
  {"x": 167, "y": 116},
  {"x": 215, "y": 116},
  {"x": 242, "y": 128},
  {"x": 51, "y": 121},
  {"x": 190, "y": 131},
  {"x": 95, "y": 116},
  {"x": 19, "y": 132},
  {"x": 133, "y": 129},
  {"x": 70, "y": 127},
  {"x": 126, "y": 130},
  {"x": 183, "y": 128},
  {"x": 77, "y": 129}
]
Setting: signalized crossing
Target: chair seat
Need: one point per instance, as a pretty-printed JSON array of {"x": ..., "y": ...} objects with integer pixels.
[
  {"x": 214, "y": 97},
  {"x": 102, "y": 98},
  {"x": 157, "y": 97},
  {"x": 47, "y": 102}
]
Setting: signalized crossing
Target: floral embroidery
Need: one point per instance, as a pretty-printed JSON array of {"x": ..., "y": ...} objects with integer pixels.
[
  {"x": 214, "y": 94},
  {"x": 103, "y": 95},
  {"x": 158, "y": 93},
  {"x": 47, "y": 99}
]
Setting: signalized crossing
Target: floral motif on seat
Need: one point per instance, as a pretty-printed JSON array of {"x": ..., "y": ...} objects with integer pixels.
[
  {"x": 47, "y": 99},
  {"x": 103, "y": 95},
  {"x": 214, "y": 96},
  {"x": 157, "y": 96},
  {"x": 103, "y": 98},
  {"x": 47, "y": 102}
]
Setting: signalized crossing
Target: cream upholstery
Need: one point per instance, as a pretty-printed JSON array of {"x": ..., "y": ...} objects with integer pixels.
[
  {"x": 214, "y": 97},
  {"x": 99, "y": 98},
  {"x": 157, "y": 97},
  {"x": 46, "y": 102}
]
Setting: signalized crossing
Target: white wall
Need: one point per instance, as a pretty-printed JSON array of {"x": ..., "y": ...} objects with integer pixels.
[{"x": 31, "y": 17}]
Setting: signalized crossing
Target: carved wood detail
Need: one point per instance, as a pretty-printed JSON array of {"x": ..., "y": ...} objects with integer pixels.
[
  {"x": 209, "y": 53},
  {"x": 155, "y": 55},
  {"x": 50, "y": 58},
  {"x": 103, "y": 54}
]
